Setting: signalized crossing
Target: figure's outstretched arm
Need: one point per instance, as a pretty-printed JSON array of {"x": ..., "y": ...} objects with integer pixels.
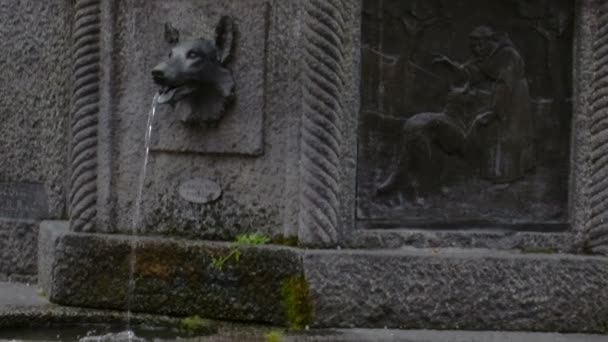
[
  {"x": 447, "y": 61},
  {"x": 468, "y": 69}
]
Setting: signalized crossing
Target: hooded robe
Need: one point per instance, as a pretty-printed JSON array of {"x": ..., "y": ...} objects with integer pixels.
[{"x": 506, "y": 144}]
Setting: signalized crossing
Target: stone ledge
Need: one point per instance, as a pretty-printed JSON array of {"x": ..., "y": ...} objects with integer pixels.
[
  {"x": 171, "y": 277},
  {"x": 449, "y": 288},
  {"x": 458, "y": 289},
  {"x": 501, "y": 240},
  {"x": 385, "y": 335}
]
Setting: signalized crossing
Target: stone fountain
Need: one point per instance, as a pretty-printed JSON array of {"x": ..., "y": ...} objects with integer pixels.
[{"x": 332, "y": 164}]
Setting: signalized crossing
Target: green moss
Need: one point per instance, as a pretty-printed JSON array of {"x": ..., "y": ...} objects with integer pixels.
[
  {"x": 274, "y": 336},
  {"x": 295, "y": 298},
  {"x": 539, "y": 250},
  {"x": 252, "y": 239},
  {"x": 235, "y": 250},
  {"x": 195, "y": 325}
]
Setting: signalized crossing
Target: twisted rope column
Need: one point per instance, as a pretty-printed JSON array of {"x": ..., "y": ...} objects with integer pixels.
[
  {"x": 85, "y": 109},
  {"x": 321, "y": 131}
]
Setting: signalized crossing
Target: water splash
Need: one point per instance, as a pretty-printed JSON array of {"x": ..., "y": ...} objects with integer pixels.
[
  {"x": 137, "y": 207},
  {"x": 126, "y": 336}
]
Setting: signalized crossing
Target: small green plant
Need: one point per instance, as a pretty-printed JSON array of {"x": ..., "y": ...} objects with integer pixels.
[
  {"x": 295, "y": 297},
  {"x": 274, "y": 336},
  {"x": 220, "y": 261},
  {"x": 194, "y": 325},
  {"x": 235, "y": 250},
  {"x": 252, "y": 239}
]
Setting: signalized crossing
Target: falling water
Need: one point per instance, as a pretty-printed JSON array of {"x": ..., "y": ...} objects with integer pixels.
[{"x": 137, "y": 207}]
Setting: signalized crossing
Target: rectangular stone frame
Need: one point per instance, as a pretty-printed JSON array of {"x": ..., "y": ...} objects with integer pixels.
[
  {"x": 331, "y": 78},
  {"x": 329, "y": 60},
  {"x": 95, "y": 29}
]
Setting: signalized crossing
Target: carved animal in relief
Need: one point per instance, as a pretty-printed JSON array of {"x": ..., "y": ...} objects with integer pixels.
[{"x": 195, "y": 78}]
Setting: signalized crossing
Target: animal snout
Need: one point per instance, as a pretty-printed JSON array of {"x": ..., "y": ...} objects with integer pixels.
[{"x": 159, "y": 76}]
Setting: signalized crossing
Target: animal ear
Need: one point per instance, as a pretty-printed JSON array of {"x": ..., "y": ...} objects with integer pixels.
[
  {"x": 171, "y": 34},
  {"x": 225, "y": 39}
]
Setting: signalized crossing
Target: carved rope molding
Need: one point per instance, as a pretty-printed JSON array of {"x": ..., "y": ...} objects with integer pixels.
[
  {"x": 598, "y": 186},
  {"x": 321, "y": 140},
  {"x": 85, "y": 109}
]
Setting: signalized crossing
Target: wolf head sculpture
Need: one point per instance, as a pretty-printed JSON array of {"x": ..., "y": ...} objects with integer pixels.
[{"x": 196, "y": 75}]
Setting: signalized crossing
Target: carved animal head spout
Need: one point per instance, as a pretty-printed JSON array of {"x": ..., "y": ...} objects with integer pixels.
[{"x": 195, "y": 77}]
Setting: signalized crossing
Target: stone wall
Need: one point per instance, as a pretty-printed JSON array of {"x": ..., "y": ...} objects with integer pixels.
[
  {"x": 246, "y": 156},
  {"x": 253, "y": 155},
  {"x": 284, "y": 158},
  {"x": 282, "y": 162},
  {"x": 267, "y": 156},
  {"x": 35, "y": 62}
]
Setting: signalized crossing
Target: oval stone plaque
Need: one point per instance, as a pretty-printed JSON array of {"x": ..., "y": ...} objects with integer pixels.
[{"x": 200, "y": 190}]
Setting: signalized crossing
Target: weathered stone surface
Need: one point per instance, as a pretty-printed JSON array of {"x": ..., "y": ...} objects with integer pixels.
[
  {"x": 328, "y": 76},
  {"x": 581, "y": 164},
  {"x": 35, "y": 60},
  {"x": 458, "y": 289},
  {"x": 596, "y": 229},
  {"x": 385, "y": 335},
  {"x": 22, "y": 306},
  {"x": 405, "y": 288},
  {"x": 398, "y": 238},
  {"x": 33, "y": 134},
  {"x": 18, "y": 250},
  {"x": 48, "y": 236},
  {"x": 175, "y": 277},
  {"x": 84, "y": 113},
  {"x": 255, "y": 191},
  {"x": 23, "y": 201}
]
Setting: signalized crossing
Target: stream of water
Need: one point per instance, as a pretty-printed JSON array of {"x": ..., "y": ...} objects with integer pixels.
[{"x": 137, "y": 207}]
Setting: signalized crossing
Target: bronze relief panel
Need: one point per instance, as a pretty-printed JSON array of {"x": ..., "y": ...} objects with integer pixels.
[{"x": 465, "y": 112}]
